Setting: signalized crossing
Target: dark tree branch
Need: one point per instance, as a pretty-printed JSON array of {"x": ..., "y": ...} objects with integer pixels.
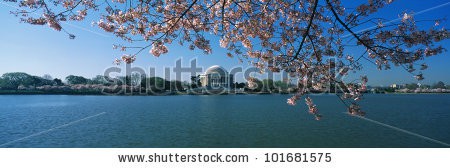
[{"x": 307, "y": 29}]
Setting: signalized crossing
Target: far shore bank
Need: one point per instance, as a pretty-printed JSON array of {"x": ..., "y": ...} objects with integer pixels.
[{"x": 169, "y": 93}]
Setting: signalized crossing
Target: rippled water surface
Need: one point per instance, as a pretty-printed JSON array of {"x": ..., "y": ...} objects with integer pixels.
[{"x": 220, "y": 121}]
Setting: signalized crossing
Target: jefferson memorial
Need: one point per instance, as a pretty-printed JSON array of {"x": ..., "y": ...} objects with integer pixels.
[{"x": 216, "y": 77}]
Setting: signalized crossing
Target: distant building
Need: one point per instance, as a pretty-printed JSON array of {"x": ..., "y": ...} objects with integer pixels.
[
  {"x": 395, "y": 86},
  {"x": 216, "y": 77}
]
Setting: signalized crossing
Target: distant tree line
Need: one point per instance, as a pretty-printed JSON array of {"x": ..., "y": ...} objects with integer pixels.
[
  {"x": 415, "y": 87},
  {"x": 438, "y": 85},
  {"x": 24, "y": 81},
  {"x": 20, "y": 81},
  {"x": 16, "y": 80}
]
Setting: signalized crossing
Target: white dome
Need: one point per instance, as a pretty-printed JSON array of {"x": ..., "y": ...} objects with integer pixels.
[{"x": 216, "y": 69}]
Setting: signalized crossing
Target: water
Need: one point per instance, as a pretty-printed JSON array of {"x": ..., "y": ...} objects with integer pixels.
[{"x": 219, "y": 121}]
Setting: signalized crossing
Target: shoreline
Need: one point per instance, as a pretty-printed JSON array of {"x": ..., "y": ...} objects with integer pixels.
[{"x": 97, "y": 93}]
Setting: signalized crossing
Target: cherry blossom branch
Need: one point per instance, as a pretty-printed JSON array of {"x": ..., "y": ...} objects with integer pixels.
[
  {"x": 357, "y": 37},
  {"x": 307, "y": 29}
]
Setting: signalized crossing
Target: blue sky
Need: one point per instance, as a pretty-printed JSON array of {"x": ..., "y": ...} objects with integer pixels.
[{"x": 39, "y": 50}]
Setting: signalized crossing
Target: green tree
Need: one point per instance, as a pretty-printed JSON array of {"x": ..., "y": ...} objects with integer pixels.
[
  {"x": 412, "y": 86},
  {"x": 132, "y": 80},
  {"x": 112, "y": 81},
  {"x": 72, "y": 79},
  {"x": 424, "y": 86},
  {"x": 1, "y": 83},
  {"x": 439, "y": 84},
  {"x": 195, "y": 81},
  {"x": 390, "y": 90},
  {"x": 268, "y": 85},
  {"x": 240, "y": 85},
  {"x": 125, "y": 80},
  {"x": 13, "y": 79},
  {"x": 281, "y": 85},
  {"x": 176, "y": 86},
  {"x": 136, "y": 78},
  {"x": 99, "y": 79},
  {"x": 39, "y": 81},
  {"x": 58, "y": 82},
  {"x": 155, "y": 84}
]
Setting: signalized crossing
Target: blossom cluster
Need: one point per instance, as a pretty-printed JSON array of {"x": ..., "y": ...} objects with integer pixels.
[
  {"x": 128, "y": 58},
  {"x": 312, "y": 108},
  {"x": 158, "y": 48}
]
